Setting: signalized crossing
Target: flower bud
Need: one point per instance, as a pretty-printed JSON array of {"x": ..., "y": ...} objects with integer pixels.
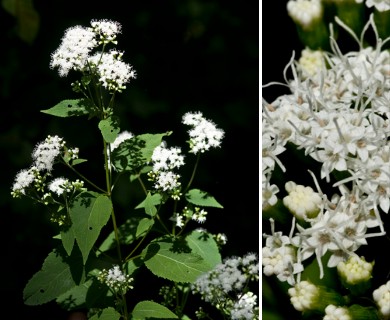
[
  {"x": 355, "y": 274},
  {"x": 311, "y": 27}
]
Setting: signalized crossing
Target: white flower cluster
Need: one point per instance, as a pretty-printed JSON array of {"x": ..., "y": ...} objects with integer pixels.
[
  {"x": 243, "y": 308},
  {"x": 115, "y": 279},
  {"x": 303, "y": 295},
  {"x": 46, "y": 152},
  {"x": 204, "y": 133},
  {"x": 355, "y": 270},
  {"x": 227, "y": 278},
  {"x": 113, "y": 72},
  {"x": 304, "y": 12},
  {"x": 165, "y": 160},
  {"x": 311, "y": 62},
  {"x": 381, "y": 296},
  {"x": 61, "y": 185},
  {"x": 333, "y": 312},
  {"x": 279, "y": 257},
  {"x": 106, "y": 30},
  {"x": 123, "y": 136},
  {"x": 302, "y": 201},
  {"x": 196, "y": 214},
  {"x": 76, "y": 53},
  {"x": 24, "y": 179},
  {"x": 44, "y": 156},
  {"x": 380, "y": 5},
  {"x": 340, "y": 118}
]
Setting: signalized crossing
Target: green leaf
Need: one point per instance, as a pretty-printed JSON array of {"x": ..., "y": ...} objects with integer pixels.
[
  {"x": 144, "y": 225},
  {"x": 78, "y": 161},
  {"x": 203, "y": 243},
  {"x": 59, "y": 274},
  {"x": 151, "y": 310},
  {"x": 68, "y": 238},
  {"x": 171, "y": 260},
  {"x": 90, "y": 294},
  {"x": 150, "y": 203},
  {"x": 201, "y": 198},
  {"x": 109, "y": 128},
  {"x": 89, "y": 213},
  {"x": 135, "y": 176},
  {"x": 135, "y": 153},
  {"x": 150, "y": 200},
  {"x": 106, "y": 314},
  {"x": 126, "y": 232},
  {"x": 75, "y": 297},
  {"x": 70, "y": 108}
]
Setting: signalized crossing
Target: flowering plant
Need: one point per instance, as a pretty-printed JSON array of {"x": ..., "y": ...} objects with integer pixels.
[
  {"x": 335, "y": 123},
  {"x": 103, "y": 255}
]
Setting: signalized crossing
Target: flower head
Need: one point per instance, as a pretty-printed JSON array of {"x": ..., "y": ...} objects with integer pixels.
[
  {"x": 333, "y": 312},
  {"x": 204, "y": 134},
  {"x": 74, "y": 50},
  {"x": 23, "y": 180},
  {"x": 115, "y": 279},
  {"x": 302, "y": 201},
  {"x": 106, "y": 30},
  {"x": 165, "y": 158},
  {"x": 304, "y": 12},
  {"x": 113, "y": 73},
  {"x": 381, "y": 296},
  {"x": 46, "y": 152}
]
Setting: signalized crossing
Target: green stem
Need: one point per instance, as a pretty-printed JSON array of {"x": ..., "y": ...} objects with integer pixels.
[
  {"x": 84, "y": 178},
  {"x": 142, "y": 184},
  {"x": 193, "y": 173},
  {"x": 108, "y": 185}
]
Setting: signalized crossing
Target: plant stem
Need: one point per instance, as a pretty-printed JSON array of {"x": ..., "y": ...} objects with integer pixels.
[
  {"x": 84, "y": 178},
  {"x": 193, "y": 173}
]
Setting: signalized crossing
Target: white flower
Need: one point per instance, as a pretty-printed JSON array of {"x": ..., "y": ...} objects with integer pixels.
[
  {"x": 304, "y": 12},
  {"x": 23, "y": 179},
  {"x": 199, "y": 215},
  {"x": 74, "y": 50},
  {"x": 311, "y": 62},
  {"x": 115, "y": 279},
  {"x": 106, "y": 29},
  {"x": 303, "y": 295},
  {"x": 226, "y": 280},
  {"x": 179, "y": 220},
  {"x": 167, "y": 181},
  {"x": 204, "y": 134},
  {"x": 380, "y": 5},
  {"x": 381, "y": 296},
  {"x": 46, "y": 152},
  {"x": 355, "y": 270},
  {"x": 59, "y": 186},
  {"x": 113, "y": 73},
  {"x": 164, "y": 158},
  {"x": 123, "y": 136},
  {"x": 302, "y": 201},
  {"x": 245, "y": 307},
  {"x": 269, "y": 195},
  {"x": 333, "y": 312}
]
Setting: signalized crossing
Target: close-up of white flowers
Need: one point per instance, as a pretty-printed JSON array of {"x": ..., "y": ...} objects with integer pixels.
[{"x": 332, "y": 127}]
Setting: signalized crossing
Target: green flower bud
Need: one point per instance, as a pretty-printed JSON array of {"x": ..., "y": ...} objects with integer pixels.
[{"x": 355, "y": 274}]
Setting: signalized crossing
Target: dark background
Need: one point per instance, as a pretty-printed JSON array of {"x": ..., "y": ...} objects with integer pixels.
[{"x": 189, "y": 55}]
